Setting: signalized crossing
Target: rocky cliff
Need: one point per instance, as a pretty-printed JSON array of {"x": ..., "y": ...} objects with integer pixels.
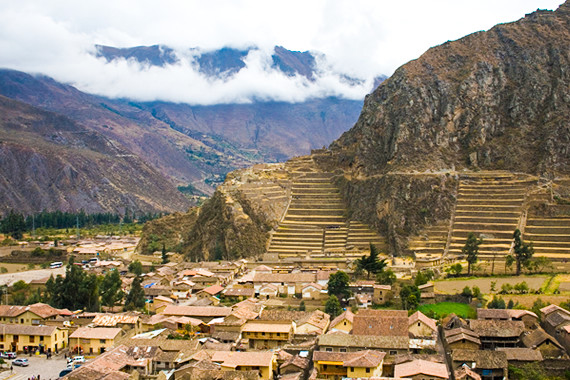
[
  {"x": 48, "y": 161},
  {"x": 492, "y": 100}
]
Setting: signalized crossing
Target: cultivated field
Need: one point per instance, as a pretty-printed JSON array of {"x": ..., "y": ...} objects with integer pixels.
[{"x": 453, "y": 286}]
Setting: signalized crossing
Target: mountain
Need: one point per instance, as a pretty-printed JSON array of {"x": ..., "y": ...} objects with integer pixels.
[
  {"x": 495, "y": 100},
  {"x": 48, "y": 161}
]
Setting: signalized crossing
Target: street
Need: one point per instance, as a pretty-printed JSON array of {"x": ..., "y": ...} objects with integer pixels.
[{"x": 39, "y": 365}]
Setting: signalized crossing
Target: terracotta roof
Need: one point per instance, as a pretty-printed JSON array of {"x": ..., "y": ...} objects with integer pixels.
[
  {"x": 381, "y": 322},
  {"x": 213, "y": 290},
  {"x": 368, "y": 341},
  {"x": 96, "y": 333},
  {"x": 503, "y": 313},
  {"x": 419, "y": 316},
  {"x": 234, "y": 359},
  {"x": 483, "y": 359},
  {"x": 521, "y": 354},
  {"x": 421, "y": 367},
  {"x": 16, "y": 329},
  {"x": 314, "y": 285},
  {"x": 318, "y": 319},
  {"x": 263, "y": 268},
  {"x": 296, "y": 361},
  {"x": 267, "y": 326},
  {"x": 457, "y": 337},
  {"x": 538, "y": 337},
  {"x": 197, "y": 311},
  {"x": 460, "y": 330},
  {"x": 552, "y": 308},
  {"x": 285, "y": 315},
  {"x": 383, "y": 287},
  {"x": 347, "y": 314},
  {"x": 40, "y": 309},
  {"x": 497, "y": 328},
  {"x": 557, "y": 318},
  {"x": 239, "y": 292},
  {"x": 364, "y": 358},
  {"x": 285, "y": 277},
  {"x": 464, "y": 372},
  {"x": 114, "y": 319}
]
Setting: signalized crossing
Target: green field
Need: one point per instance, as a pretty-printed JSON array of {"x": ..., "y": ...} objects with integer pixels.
[{"x": 444, "y": 308}]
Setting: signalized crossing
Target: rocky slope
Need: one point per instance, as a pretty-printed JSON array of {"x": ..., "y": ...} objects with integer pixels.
[
  {"x": 492, "y": 100},
  {"x": 48, "y": 161}
]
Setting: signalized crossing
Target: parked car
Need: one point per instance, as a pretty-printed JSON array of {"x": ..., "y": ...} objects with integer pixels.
[
  {"x": 8, "y": 355},
  {"x": 21, "y": 362},
  {"x": 78, "y": 359},
  {"x": 66, "y": 371}
]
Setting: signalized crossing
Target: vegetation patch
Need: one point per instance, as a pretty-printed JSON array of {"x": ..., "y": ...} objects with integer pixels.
[{"x": 442, "y": 309}]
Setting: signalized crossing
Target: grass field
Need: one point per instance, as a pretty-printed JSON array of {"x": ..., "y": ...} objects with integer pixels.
[
  {"x": 456, "y": 285},
  {"x": 444, "y": 308}
]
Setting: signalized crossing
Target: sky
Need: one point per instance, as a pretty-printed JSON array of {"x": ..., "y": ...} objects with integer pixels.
[{"x": 358, "y": 38}]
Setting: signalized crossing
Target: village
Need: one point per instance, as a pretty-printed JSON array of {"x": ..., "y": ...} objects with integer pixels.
[{"x": 248, "y": 320}]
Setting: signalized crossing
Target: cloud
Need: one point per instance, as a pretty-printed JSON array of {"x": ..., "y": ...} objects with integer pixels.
[{"x": 360, "y": 38}]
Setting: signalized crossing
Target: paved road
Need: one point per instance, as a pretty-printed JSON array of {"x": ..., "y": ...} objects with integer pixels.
[
  {"x": 27, "y": 276},
  {"x": 39, "y": 365}
]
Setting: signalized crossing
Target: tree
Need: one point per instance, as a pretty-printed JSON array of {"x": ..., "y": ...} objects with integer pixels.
[
  {"x": 135, "y": 299},
  {"x": 496, "y": 303},
  {"x": 332, "y": 307},
  {"x": 410, "y": 296},
  {"x": 540, "y": 264},
  {"x": 511, "y": 304},
  {"x": 111, "y": 292},
  {"x": 164, "y": 256},
  {"x": 302, "y": 306},
  {"x": 136, "y": 267},
  {"x": 420, "y": 279},
  {"x": 386, "y": 277},
  {"x": 338, "y": 285},
  {"x": 471, "y": 250},
  {"x": 521, "y": 287},
  {"x": 537, "y": 305},
  {"x": 509, "y": 261},
  {"x": 371, "y": 263},
  {"x": 455, "y": 269},
  {"x": 523, "y": 252},
  {"x": 14, "y": 225},
  {"x": 467, "y": 292}
]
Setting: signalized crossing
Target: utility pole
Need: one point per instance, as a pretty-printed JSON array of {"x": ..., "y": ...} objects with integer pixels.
[{"x": 33, "y": 226}]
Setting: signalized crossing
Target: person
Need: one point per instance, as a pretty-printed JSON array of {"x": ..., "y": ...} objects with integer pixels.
[{"x": 11, "y": 368}]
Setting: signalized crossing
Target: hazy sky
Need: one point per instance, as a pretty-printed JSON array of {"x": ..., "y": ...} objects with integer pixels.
[{"x": 361, "y": 38}]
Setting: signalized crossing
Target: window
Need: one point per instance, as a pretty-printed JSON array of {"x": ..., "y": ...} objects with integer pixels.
[
  {"x": 41, "y": 338},
  {"x": 22, "y": 320},
  {"x": 343, "y": 350},
  {"x": 32, "y": 338},
  {"x": 351, "y": 369},
  {"x": 418, "y": 324},
  {"x": 102, "y": 341},
  {"x": 262, "y": 333},
  {"x": 2, "y": 337},
  {"x": 345, "y": 323},
  {"x": 16, "y": 338},
  {"x": 328, "y": 349},
  {"x": 324, "y": 366},
  {"x": 367, "y": 370},
  {"x": 393, "y": 352}
]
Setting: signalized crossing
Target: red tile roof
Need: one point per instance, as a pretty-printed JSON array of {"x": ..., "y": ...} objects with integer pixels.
[{"x": 421, "y": 367}]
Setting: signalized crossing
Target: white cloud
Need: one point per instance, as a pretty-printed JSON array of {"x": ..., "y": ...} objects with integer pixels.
[{"x": 362, "y": 38}]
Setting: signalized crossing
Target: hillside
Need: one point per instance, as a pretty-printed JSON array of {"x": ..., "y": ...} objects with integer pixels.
[
  {"x": 48, "y": 161},
  {"x": 473, "y": 114}
]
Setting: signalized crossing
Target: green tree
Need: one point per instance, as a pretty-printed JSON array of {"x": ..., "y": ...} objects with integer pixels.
[
  {"x": 164, "y": 256},
  {"x": 455, "y": 269},
  {"x": 420, "y": 279},
  {"x": 338, "y": 285},
  {"x": 541, "y": 264},
  {"x": 136, "y": 267},
  {"x": 476, "y": 292},
  {"x": 523, "y": 252},
  {"x": 467, "y": 292},
  {"x": 302, "y": 306},
  {"x": 471, "y": 250},
  {"x": 509, "y": 261},
  {"x": 20, "y": 292},
  {"x": 386, "y": 277},
  {"x": 111, "y": 292},
  {"x": 332, "y": 307},
  {"x": 506, "y": 288},
  {"x": 521, "y": 287},
  {"x": 537, "y": 305},
  {"x": 496, "y": 303},
  {"x": 371, "y": 263},
  {"x": 410, "y": 296},
  {"x": 511, "y": 304},
  {"x": 14, "y": 225},
  {"x": 135, "y": 299}
]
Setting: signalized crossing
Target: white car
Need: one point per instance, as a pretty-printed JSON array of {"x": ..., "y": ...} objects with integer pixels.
[{"x": 78, "y": 359}]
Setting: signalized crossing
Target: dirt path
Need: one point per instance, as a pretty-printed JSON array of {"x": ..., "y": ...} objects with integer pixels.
[{"x": 11, "y": 278}]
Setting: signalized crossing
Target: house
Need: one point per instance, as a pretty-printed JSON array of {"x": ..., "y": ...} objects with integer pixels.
[
  {"x": 268, "y": 334},
  {"x": 382, "y": 294},
  {"x": 238, "y": 294},
  {"x": 420, "y": 326},
  {"x": 341, "y": 342},
  {"x": 312, "y": 291},
  {"x": 93, "y": 340},
  {"x": 359, "y": 364},
  {"x": 18, "y": 338},
  {"x": 263, "y": 269},
  {"x": 268, "y": 291},
  {"x": 489, "y": 365},
  {"x": 263, "y": 362},
  {"x": 343, "y": 322},
  {"x": 316, "y": 323},
  {"x": 421, "y": 369},
  {"x": 555, "y": 320},
  {"x": 381, "y": 322},
  {"x": 462, "y": 338},
  {"x": 540, "y": 340},
  {"x": 31, "y": 315},
  {"x": 466, "y": 373},
  {"x": 529, "y": 318},
  {"x": 497, "y": 333},
  {"x": 160, "y": 303},
  {"x": 123, "y": 321},
  {"x": 427, "y": 292},
  {"x": 294, "y": 364},
  {"x": 287, "y": 283},
  {"x": 210, "y": 291},
  {"x": 520, "y": 356},
  {"x": 204, "y": 313}
]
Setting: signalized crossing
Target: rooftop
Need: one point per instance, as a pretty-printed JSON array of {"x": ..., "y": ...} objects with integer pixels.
[
  {"x": 96, "y": 333},
  {"x": 421, "y": 367}
]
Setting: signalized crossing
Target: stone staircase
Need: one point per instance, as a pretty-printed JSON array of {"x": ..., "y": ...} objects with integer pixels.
[
  {"x": 550, "y": 237},
  {"x": 431, "y": 242}
]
